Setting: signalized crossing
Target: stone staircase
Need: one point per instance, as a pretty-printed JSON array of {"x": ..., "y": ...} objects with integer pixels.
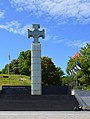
[
  {"x": 21, "y": 100},
  {"x": 38, "y": 103}
]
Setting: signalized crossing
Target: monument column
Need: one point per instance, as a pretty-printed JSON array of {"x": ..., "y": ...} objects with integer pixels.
[
  {"x": 36, "y": 81},
  {"x": 36, "y": 69}
]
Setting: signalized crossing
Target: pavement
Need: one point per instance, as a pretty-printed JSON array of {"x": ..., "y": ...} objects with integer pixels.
[{"x": 44, "y": 115}]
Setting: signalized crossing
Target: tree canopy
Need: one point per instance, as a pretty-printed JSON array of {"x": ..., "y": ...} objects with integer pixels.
[
  {"x": 83, "y": 75},
  {"x": 51, "y": 74}
]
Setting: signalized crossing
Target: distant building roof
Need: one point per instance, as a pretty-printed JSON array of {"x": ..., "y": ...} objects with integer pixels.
[{"x": 76, "y": 55}]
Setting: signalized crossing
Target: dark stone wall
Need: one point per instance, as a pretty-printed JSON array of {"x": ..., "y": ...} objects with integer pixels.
[
  {"x": 56, "y": 90},
  {"x": 46, "y": 90},
  {"x": 16, "y": 89}
]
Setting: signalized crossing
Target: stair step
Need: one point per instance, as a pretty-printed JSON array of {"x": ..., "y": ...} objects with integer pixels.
[{"x": 39, "y": 103}]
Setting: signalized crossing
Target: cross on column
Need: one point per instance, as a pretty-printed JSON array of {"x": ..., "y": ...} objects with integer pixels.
[
  {"x": 36, "y": 79},
  {"x": 36, "y": 33}
]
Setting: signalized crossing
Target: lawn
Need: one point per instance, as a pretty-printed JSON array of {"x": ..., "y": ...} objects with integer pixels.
[{"x": 14, "y": 80}]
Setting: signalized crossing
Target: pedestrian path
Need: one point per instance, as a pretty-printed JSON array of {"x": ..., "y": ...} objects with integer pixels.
[{"x": 44, "y": 115}]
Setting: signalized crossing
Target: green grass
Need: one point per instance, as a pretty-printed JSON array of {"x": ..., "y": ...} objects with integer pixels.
[{"x": 14, "y": 80}]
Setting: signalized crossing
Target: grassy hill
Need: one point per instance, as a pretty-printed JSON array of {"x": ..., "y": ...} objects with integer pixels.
[{"x": 14, "y": 80}]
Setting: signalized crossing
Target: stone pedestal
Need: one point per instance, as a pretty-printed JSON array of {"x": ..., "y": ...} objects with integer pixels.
[{"x": 36, "y": 69}]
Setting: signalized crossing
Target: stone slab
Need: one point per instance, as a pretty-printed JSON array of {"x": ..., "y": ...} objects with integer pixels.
[{"x": 83, "y": 97}]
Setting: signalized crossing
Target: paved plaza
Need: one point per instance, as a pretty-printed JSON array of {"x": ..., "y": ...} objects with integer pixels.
[{"x": 44, "y": 115}]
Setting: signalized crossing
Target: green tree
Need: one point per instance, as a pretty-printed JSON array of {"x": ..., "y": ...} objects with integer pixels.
[
  {"x": 51, "y": 75},
  {"x": 5, "y": 69},
  {"x": 24, "y": 60},
  {"x": 13, "y": 67},
  {"x": 83, "y": 75},
  {"x": 85, "y": 64},
  {"x": 65, "y": 81}
]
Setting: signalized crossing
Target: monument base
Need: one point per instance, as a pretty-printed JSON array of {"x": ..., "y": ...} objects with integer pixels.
[{"x": 18, "y": 98}]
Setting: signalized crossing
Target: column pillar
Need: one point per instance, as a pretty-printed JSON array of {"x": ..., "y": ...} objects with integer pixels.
[{"x": 36, "y": 83}]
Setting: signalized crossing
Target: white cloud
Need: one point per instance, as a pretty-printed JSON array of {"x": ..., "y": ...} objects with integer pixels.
[
  {"x": 53, "y": 39},
  {"x": 15, "y": 27},
  {"x": 56, "y": 39},
  {"x": 1, "y": 14},
  {"x": 78, "y": 43},
  {"x": 59, "y": 9}
]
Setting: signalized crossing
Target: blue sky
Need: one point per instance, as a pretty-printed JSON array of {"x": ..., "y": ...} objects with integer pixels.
[{"x": 66, "y": 24}]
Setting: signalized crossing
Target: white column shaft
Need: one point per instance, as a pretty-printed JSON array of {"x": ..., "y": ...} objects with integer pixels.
[{"x": 36, "y": 69}]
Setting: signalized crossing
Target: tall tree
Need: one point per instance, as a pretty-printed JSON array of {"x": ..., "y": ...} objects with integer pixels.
[
  {"x": 5, "y": 69},
  {"x": 51, "y": 75},
  {"x": 85, "y": 63},
  {"x": 83, "y": 75},
  {"x": 24, "y": 60},
  {"x": 13, "y": 67}
]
